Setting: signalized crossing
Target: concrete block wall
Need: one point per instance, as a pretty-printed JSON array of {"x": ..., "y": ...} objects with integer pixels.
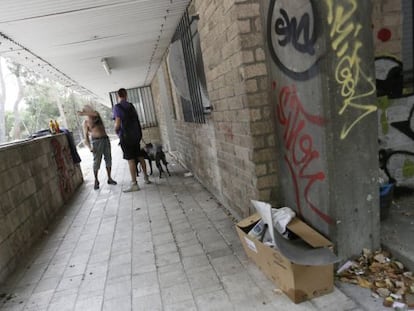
[
  {"x": 164, "y": 111},
  {"x": 387, "y": 27},
  {"x": 151, "y": 135},
  {"x": 36, "y": 178},
  {"x": 234, "y": 153}
]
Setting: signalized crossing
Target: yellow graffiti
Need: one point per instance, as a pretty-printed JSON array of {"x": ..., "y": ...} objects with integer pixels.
[{"x": 348, "y": 72}]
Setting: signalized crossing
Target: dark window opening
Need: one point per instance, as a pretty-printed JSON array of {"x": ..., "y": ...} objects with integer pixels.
[
  {"x": 197, "y": 104},
  {"x": 141, "y": 98}
]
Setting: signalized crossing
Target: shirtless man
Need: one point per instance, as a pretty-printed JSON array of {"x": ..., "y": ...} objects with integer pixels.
[{"x": 98, "y": 143}]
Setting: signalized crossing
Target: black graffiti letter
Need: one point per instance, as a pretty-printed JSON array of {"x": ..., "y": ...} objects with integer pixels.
[
  {"x": 282, "y": 28},
  {"x": 291, "y": 32}
]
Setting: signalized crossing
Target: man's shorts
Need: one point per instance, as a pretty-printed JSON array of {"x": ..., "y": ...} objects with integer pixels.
[
  {"x": 131, "y": 151},
  {"x": 101, "y": 147}
]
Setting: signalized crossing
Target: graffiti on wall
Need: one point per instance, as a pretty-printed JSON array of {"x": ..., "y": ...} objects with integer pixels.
[
  {"x": 396, "y": 139},
  {"x": 356, "y": 86},
  {"x": 301, "y": 156},
  {"x": 292, "y": 34},
  {"x": 64, "y": 171}
]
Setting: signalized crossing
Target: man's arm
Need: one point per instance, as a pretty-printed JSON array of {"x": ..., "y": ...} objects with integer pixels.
[
  {"x": 86, "y": 141},
  {"x": 88, "y": 113},
  {"x": 117, "y": 125}
]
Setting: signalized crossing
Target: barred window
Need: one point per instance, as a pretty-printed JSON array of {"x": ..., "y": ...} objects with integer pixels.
[
  {"x": 187, "y": 70},
  {"x": 141, "y": 98}
]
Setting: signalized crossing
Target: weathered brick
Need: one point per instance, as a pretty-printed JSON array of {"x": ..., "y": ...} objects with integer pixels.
[
  {"x": 264, "y": 155},
  {"x": 248, "y": 10},
  {"x": 244, "y": 26},
  {"x": 266, "y": 181},
  {"x": 392, "y": 19},
  {"x": 256, "y": 114},
  {"x": 251, "y": 86},
  {"x": 391, "y": 6},
  {"x": 252, "y": 71},
  {"x": 261, "y": 170},
  {"x": 250, "y": 40},
  {"x": 260, "y": 54}
]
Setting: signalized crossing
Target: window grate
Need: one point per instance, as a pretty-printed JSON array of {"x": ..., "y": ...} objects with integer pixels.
[
  {"x": 193, "y": 109},
  {"x": 141, "y": 98}
]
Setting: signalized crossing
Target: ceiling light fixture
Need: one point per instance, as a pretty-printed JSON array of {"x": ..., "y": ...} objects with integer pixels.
[{"x": 105, "y": 65}]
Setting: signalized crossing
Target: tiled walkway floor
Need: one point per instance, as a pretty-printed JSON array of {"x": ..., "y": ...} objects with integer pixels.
[{"x": 170, "y": 246}]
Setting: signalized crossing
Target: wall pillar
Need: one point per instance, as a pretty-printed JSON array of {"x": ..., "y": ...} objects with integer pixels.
[{"x": 323, "y": 89}]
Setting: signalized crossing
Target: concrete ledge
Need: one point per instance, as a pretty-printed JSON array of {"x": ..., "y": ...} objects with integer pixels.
[{"x": 37, "y": 177}]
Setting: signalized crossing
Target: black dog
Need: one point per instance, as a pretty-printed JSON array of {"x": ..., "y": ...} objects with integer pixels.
[
  {"x": 155, "y": 153},
  {"x": 146, "y": 156}
]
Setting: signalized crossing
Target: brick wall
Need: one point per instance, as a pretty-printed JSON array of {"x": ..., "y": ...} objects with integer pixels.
[
  {"x": 234, "y": 153},
  {"x": 36, "y": 179},
  {"x": 386, "y": 16}
]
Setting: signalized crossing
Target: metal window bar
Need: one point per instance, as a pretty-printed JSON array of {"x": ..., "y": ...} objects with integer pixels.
[
  {"x": 184, "y": 29},
  {"x": 148, "y": 106},
  {"x": 141, "y": 98}
]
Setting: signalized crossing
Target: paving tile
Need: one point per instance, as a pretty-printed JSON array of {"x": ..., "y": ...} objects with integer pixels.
[
  {"x": 160, "y": 250},
  {"x": 118, "y": 304},
  {"x": 171, "y": 278},
  {"x": 120, "y": 287},
  {"x": 144, "y": 288},
  {"x": 145, "y": 303},
  {"x": 167, "y": 259},
  {"x": 92, "y": 284},
  {"x": 118, "y": 271},
  {"x": 214, "y": 301},
  {"x": 204, "y": 280},
  {"x": 93, "y": 303},
  {"x": 169, "y": 247},
  {"x": 188, "y": 305},
  {"x": 62, "y": 302},
  {"x": 179, "y": 293},
  {"x": 194, "y": 262},
  {"x": 39, "y": 301},
  {"x": 191, "y": 250},
  {"x": 47, "y": 284},
  {"x": 227, "y": 265}
]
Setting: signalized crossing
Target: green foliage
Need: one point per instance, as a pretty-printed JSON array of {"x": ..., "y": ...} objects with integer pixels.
[
  {"x": 45, "y": 100},
  {"x": 40, "y": 107}
]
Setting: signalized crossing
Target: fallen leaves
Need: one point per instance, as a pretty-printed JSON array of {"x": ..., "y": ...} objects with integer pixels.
[{"x": 387, "y": 278}]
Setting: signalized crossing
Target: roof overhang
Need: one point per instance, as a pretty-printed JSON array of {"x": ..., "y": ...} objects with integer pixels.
[{"x": 67, "y": 40}]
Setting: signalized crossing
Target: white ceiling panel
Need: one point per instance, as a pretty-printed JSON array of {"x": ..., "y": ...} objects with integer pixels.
[{"x": 69, "y": 38}]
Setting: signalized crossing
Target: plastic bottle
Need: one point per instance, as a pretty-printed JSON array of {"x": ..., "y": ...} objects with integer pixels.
[
  {"x": 52, "y": 127},
  {"x": 57, "y": 128},
  {"x": 257, "y": 230}
]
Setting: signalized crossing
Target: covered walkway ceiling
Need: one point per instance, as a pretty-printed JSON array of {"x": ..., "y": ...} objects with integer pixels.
[{"x": 67, "y": 39}]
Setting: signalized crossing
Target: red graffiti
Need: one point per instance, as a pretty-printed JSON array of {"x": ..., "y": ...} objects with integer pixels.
[
  {"x": 384, "y": 34},
  {"x": 63, "y": 172},
  {"x": 300, "y": 152},
  {"x": 228, "y": 133}
]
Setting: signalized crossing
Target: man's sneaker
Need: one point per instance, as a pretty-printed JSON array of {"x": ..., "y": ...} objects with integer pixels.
[
  {"x": 147, "y": 181},
  {"x": 132, "y": 188},
  {"x": 111, "y": 182}
]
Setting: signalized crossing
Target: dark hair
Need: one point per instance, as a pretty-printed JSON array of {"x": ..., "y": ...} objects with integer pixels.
[{"x": 122, "y": 93}]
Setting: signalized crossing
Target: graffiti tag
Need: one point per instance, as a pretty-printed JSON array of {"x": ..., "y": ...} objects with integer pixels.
[
  {"x": 355, "y": 84},
  {"x": 291, "y": 34},
  {"x": 301, "y": 156}
]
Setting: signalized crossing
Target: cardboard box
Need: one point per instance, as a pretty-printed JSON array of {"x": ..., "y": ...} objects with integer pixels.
[{"x": 298, "y": 282}]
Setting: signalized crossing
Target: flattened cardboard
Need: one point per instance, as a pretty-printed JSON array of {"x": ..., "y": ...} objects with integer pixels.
[
  {"x": 298, "y": 282},
  {"x": 309, "y": 235}
]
